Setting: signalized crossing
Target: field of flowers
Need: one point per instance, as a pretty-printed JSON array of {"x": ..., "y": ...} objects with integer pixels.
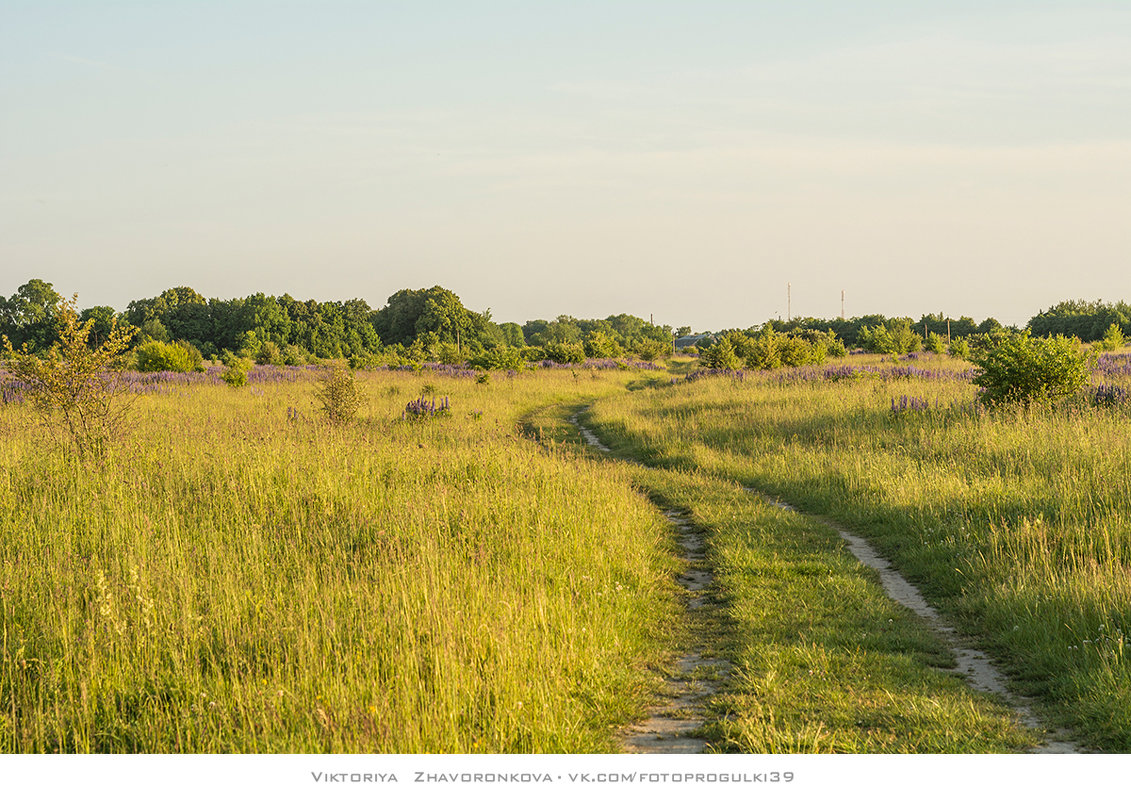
[
  {"x": 239, "y": 576},
  {"x": 1016, "y": 522}
]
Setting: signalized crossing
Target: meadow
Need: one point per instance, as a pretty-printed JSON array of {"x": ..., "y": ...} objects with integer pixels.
[
  {"x": 237, "y": 575},
  {"x": 1015, "y": 522}
]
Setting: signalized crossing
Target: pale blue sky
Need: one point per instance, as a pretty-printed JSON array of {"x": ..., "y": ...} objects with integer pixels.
[{"x": 681, "y": 159}]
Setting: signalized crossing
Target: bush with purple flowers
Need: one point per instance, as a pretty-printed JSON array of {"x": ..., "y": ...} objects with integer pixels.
[{"x": 424, "y": 409}]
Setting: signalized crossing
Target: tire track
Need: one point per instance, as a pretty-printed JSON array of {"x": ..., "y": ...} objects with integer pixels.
[
  {"x": 670, "y": 726},
  {"x": 972, "y": 664},
  {"x": 667, "y": 728}
]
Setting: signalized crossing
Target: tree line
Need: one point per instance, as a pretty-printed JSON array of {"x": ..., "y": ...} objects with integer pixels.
[
  {"x": 415, "y": 325},
  {"x": 421, "y": 325}
]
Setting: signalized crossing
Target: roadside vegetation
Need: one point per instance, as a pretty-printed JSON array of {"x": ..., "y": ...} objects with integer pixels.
[{"x": 1013, "y": 518}]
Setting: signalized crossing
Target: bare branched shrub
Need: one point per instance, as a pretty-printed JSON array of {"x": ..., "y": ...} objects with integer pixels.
[
  {"x": 339, "y": 395},
  {"x": 76, "y": 384}
]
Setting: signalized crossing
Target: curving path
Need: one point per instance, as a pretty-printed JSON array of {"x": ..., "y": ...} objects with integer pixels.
[{"x": 670, "y": 726}]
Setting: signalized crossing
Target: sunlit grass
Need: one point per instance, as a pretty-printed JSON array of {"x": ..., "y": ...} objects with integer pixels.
[
  {"x": 1017, "y": 522},
  {"x": 236, "y": 579}
]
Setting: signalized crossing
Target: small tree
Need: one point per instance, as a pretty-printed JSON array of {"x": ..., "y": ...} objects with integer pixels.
[
  {"x": 74, "y": 382},
  {"x": 959, "y": 348},
  {"x": 339, "y": 395},
  {"x": 1113, "y": 338},
  {"x": 720, "y": 356},
  {"x": 1025, "y": 370},
  {"x": 934, "y": 343},
  {"x": 236, "y": 367}
]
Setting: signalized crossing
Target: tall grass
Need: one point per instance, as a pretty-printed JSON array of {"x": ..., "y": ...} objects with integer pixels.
[
  {"x": 1017, "y": 522},
  {"x": 823, "y": 661},
  {"x": 241, "y": 577}
]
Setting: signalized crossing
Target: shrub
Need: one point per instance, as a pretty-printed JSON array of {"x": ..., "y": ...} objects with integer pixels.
[
  {"x": 448, "y": 353},
  {"x": 174, "y": 357},
  {"x": 648, "y": 350},
  {"x": 79, "y": 383},
  {"x": 796, "y": 351},
  {"x": 876, "y": 340},
  {"x": 934, "y": 343},
  {"x": 565, "y": 352},
  {"x": 339, "y": 395},
  {"x": 720, "y": 356},
  {"x": 599, "y": 345},
  {"x": 502, "y": 357},
  {"x": 293, "y": 355},
  {"x": 269, "y": 353},
  {"x": 1113, "y": 338},
  {"x": 959, "y": 348},
  {"x": 237, "y": 366},
  {"x": 1024, "y": 370},
  {"x": 894, "y": 337}
]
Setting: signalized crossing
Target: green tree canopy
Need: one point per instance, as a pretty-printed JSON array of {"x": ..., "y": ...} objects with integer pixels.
[{"x": 29, "y": 316}]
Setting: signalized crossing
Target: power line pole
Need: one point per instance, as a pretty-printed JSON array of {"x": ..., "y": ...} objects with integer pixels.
[
  {"x": 842, "y": 304},
  {"x": 788, "y": 301}
]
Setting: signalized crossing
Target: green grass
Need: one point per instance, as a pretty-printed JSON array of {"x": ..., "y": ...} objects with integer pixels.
[
  {"x": 823, "y": 661},
  {"x": 232, "y": 581},
  {"x": 1016, "y": 523},
  {"x": 236, "y": 579}
]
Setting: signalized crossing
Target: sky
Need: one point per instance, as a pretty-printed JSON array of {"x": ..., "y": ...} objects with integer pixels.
[{"x": 714, "y": 163}]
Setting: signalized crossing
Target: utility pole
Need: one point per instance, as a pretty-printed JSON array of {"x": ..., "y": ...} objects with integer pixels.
[
  {"x": 842, "y": 304},
  {"x": 788, "y": 301}
]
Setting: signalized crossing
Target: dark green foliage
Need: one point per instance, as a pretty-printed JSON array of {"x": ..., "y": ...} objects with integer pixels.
[
  {"x": 29, "y": 316},
  {"x": 1088, "y": 320},
  {"x": 153, "y": 331},
  {"x": 102, "y": 319},
  {"x": 269, "y": 353},
  {"x": 511, "y": 334},
  {"x": 610, "y": 338},
  {"x": 851, "y": 331},
  {"x": 1025, "y": 370},
  {"x": 294, "y": 355}
]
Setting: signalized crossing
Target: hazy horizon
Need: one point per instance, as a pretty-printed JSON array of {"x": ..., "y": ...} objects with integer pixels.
[
  {"x": 523, "y": 319},
  {"x": 666, "y": 159}
]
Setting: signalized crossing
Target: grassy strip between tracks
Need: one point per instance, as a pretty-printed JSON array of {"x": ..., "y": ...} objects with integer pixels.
[
  {"x": 1014, "y": 522},
  {"x": 824, "y": 661}
]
